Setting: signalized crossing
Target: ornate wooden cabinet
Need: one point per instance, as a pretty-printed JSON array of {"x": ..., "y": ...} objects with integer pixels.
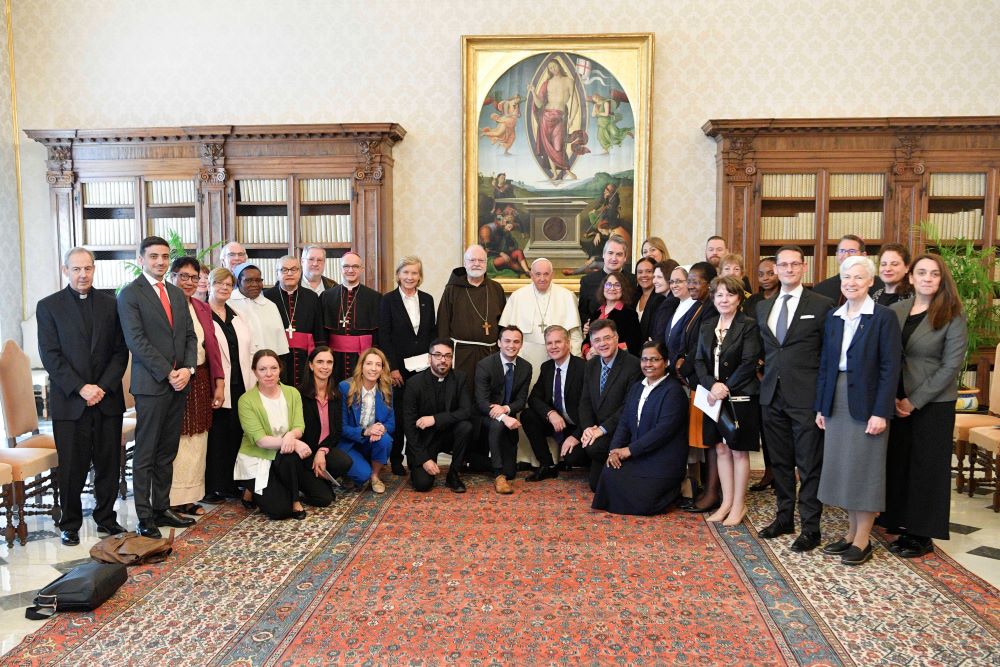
[
  {"x": 274, "y": 188},
  {"x": 810, "y": 182}
]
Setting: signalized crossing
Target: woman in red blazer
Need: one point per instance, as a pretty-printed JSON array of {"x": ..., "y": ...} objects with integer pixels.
[{"x": 207, "y": 393}]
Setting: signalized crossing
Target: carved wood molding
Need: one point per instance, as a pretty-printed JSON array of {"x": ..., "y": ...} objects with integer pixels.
[
  {"x": 714, "y": 128},
  {"x": 390, "y": 133},
  {"x": 60, "y": 179},
  {"x": 212, "y": 175},
  {"x": 737, "y": 156},
  {"x": 371, "y": 171},
  {"x": 211, "y": 153}
]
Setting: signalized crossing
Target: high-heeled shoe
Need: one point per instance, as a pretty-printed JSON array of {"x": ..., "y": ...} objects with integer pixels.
[
  {"x": 732, "y": 520},
  {"x": 718, "y": 516}
]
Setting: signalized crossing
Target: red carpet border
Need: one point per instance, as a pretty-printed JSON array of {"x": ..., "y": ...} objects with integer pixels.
[{"x": 533, "y": 578}]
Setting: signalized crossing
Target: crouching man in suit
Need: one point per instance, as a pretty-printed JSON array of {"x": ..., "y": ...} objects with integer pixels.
[
  {"x": 437, "y": 417},
  {"x": 502, "y": 381},
  {"x": 554, "y": 406},
  {"x": 81, "y": 345}
]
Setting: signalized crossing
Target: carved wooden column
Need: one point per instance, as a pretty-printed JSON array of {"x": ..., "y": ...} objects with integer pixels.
[
  {"x": 904, "y": 213},
  {"x": 736, "y": 199},
  {"x": 371, "y": 217},
  {"x": 211, "y": 193},
  {"x": 61, "y": 179}
]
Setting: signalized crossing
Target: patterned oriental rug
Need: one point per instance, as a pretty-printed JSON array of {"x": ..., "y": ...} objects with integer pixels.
[{"x": 533, "y": 578}]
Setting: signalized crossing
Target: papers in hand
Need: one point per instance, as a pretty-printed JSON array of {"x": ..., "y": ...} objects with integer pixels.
[
  {"x": 701, "y": 396},
  {"x": 416, "y": 363},
  {"x": 325, "y": 474}
]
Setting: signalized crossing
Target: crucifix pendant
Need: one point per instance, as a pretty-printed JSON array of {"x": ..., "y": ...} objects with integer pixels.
[
  {"x": 345, "y": 321},
  {"x": 290, "y": 330},
  {"x": 541, "y": 327},
  {"x": 486, "y": 328}
]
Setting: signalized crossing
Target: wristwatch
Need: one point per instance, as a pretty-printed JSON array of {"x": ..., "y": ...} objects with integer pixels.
[{"x": 192, "y": 370}]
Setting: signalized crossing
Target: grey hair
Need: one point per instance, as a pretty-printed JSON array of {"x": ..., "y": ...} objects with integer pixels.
[
  {"x": 411, "y": 260},
  {"x": 72, "y": 251},
  {"x": 858, "y": 260},
  {"x": 313, "y": 246}
]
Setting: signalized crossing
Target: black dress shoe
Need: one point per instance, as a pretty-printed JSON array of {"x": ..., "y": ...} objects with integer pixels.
[
  {"x": 773, "y": 530},
  {"x": 836, "y": 548},
  {"x": 70, "y": 538},
  {"x": 454, "y": 482},
  {"x": 398, "y": 469},
  {"x": 904, "y": 541},
  {"x": 699, "y": 507},
  {"x": 214, "y": 498},
  {"x": 805, "y": 542},
  {"x": 916, "y": 549},
  {"x": 299, "y": 516},
  {"x": 172, "y": 519},
  {"x": 763, "y": 484},
  {"x": 684, "y": 503},
  {"x": 544, "y": 472},
  {"x": 113, "y": 528},
  {"x": 147, "y": 528},
  {"x": 856, "y": 556}
]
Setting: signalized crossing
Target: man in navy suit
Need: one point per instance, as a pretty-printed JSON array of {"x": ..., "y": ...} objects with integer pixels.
[
  {"x": 791, "y": 329},
  {"x": 159, "y": 333},
  {"x": 81, "y": 345},
  {"x": 554, "y": 405},
  {"x": 502, "y": 381}
]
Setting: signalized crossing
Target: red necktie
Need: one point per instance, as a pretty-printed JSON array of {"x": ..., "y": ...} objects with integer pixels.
[{"x": 165, "y": 300}]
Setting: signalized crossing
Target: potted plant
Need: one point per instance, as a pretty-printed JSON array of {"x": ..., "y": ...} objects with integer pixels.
[
  {"x": 972, "y": 269},
  {"x": 177, "y": 249}
]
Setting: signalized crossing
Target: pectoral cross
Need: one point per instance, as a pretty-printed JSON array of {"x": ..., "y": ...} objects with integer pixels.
[
  {"x": 486, "y": 328},
  {"x": 345, "y": 321},
  {"x": 541, "y": 327},
  {"x": 290, "y": 330}
]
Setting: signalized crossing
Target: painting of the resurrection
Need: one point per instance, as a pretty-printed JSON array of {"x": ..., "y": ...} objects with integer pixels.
[{"x": 556, "y": 159}]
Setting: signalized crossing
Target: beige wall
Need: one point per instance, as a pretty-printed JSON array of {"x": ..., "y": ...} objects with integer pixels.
[
  {"x": 10, "y": 248},
  {"x": 111, "y": 63}
]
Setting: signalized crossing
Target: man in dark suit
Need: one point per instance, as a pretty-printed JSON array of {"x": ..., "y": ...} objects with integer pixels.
[
  {"x": 301, "y": 318},
  {"x": 554, "y": 405},
  {"x": 437, "y": 417},
  {"x": 502, "y": 381},
  {"x": 615, "y": 259},
  {"x": 82, "y": 347},
  {"x": 849, "y": 246},
  {"x": 791, "y": 329},
  {"x": 406, "y": 327},
  {"x": 606, "y": 381},
  {"x": 159, "y": 332}
]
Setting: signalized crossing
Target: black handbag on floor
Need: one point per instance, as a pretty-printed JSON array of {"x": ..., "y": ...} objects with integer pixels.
[{"x": 84, "y": 588}]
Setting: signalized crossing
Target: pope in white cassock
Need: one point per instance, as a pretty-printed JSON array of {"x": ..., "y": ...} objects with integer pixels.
[{"x": 536, "y": 306}]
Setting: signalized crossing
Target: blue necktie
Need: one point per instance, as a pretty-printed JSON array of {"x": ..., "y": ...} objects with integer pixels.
[
  {"x": 605, "y": 370},
  {"x": 781, "y": 326},
  {"x": 508, "y": 383},
  {"x": 557, "y": 400}
]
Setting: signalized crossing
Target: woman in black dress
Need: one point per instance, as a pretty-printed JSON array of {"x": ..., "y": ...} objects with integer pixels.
[
  {"x": 649, "y": 299},
  {"x": 323, "y": 416}
]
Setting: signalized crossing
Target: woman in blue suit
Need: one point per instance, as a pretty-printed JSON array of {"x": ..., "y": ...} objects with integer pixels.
[
  {"x": 368, "y": 419},
  {"x": 648, "y": 457},
  {"x": 855, "y": 398}
]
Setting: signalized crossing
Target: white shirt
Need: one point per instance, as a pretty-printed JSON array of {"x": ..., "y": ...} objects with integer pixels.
[
  {"x": 264, "y": 321},
  {"x": 682, "y": 308},
  {"x": 851, "y": 323},
  {"x": 647, "y": 389},
  {"x": 564, "y": 367},
  {"x": 793, "y": 303},
  {"x": 367, "y": 417},
  {"x": 412, "y": 305}
]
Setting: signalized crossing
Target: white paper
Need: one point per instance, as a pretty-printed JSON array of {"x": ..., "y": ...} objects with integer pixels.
[
  {"x": 416, "y": 363},
  {"x": 325, "y": 474},
  {"x": 701, "y": 402}
]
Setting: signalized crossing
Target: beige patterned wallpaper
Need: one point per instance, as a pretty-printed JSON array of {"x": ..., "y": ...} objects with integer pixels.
[
  {"x": 116, "y": 63},
  {"x": 10, "y": 249}
]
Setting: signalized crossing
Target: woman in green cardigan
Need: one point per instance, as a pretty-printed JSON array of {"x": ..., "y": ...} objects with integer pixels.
[{"x": 274, "y": 461}]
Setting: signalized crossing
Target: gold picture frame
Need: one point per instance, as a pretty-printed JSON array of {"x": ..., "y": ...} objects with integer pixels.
[{"x": 556, "y": 148}]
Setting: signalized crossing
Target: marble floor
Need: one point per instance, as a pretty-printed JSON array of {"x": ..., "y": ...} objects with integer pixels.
[{"x": 974, "y": 543}]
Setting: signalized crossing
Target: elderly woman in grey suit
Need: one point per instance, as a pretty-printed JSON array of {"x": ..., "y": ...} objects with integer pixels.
[
  {"x": 918, "y": 468},
  {"x": 855, "y": 391}
]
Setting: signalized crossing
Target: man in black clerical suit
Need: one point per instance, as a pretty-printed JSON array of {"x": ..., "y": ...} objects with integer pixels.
[
  {"x": 350, "y": 315},
  {"x": 502, "y": 381},
  {"x": 158, "y": 330},
  {"x": 849, "y": 246},
  {"x": 606, "y": 381},
  {"x": 82, "y": 347},
  {"x": 301, "y": 317},
  {"x": 791, "y": 328},
  {"x": 615, "y": 259},
  {"x": 437, "y": 417},
  {"x": 554, "y": 406}
]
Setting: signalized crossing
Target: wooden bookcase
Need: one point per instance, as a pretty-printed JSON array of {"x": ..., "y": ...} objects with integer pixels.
[
  {"x": 809, "y": 182},
  {"x": 274, "y": 188}
]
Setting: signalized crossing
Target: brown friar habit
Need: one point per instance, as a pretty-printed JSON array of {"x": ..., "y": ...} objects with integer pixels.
[
  {"x": 351, "y": 320},
  {"x": 470, "y": 316},
  {"x": 303, "y": 322}
]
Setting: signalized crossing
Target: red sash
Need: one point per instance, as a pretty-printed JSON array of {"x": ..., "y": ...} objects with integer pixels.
[
  {"x": 301, "y": 341},
  {"x": 355, "y": 344}
]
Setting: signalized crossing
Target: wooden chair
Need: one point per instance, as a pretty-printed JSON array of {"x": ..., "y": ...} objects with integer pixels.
[
  {"x": 7, "y": 500},
  {"x": 35, "y": 475},
  {"x": 984, "y": 445},
  {"x": 965, "y": 422}
]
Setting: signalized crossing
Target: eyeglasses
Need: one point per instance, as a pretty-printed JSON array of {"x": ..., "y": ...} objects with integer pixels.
[
  {"x": 677, "y": 282},
  {"x": 223, "y": 286},
  {"x": 286, "y": 271},
  {"x": 442, "y": 355},
  {"x": 846, "y": 251},
  {"x": 253, "y": 281},
  {"x": 186, "y": 277},
  {"x": 614, "y": 287},
  {"x": 650, "y": 360},
  {"x": 354, "y": 267},
  {"x": 695, "y": 281},
  {"x": 784, "y": 266}
]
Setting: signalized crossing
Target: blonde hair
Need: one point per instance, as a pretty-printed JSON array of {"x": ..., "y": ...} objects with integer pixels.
[
  {"x": 219, "y": 274},
  {"x": 659, "y": 244},
  {"x": 732, "y": 258},
  {"x": 410, "y": 260},
  {"x": 356, "y": 382}
]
